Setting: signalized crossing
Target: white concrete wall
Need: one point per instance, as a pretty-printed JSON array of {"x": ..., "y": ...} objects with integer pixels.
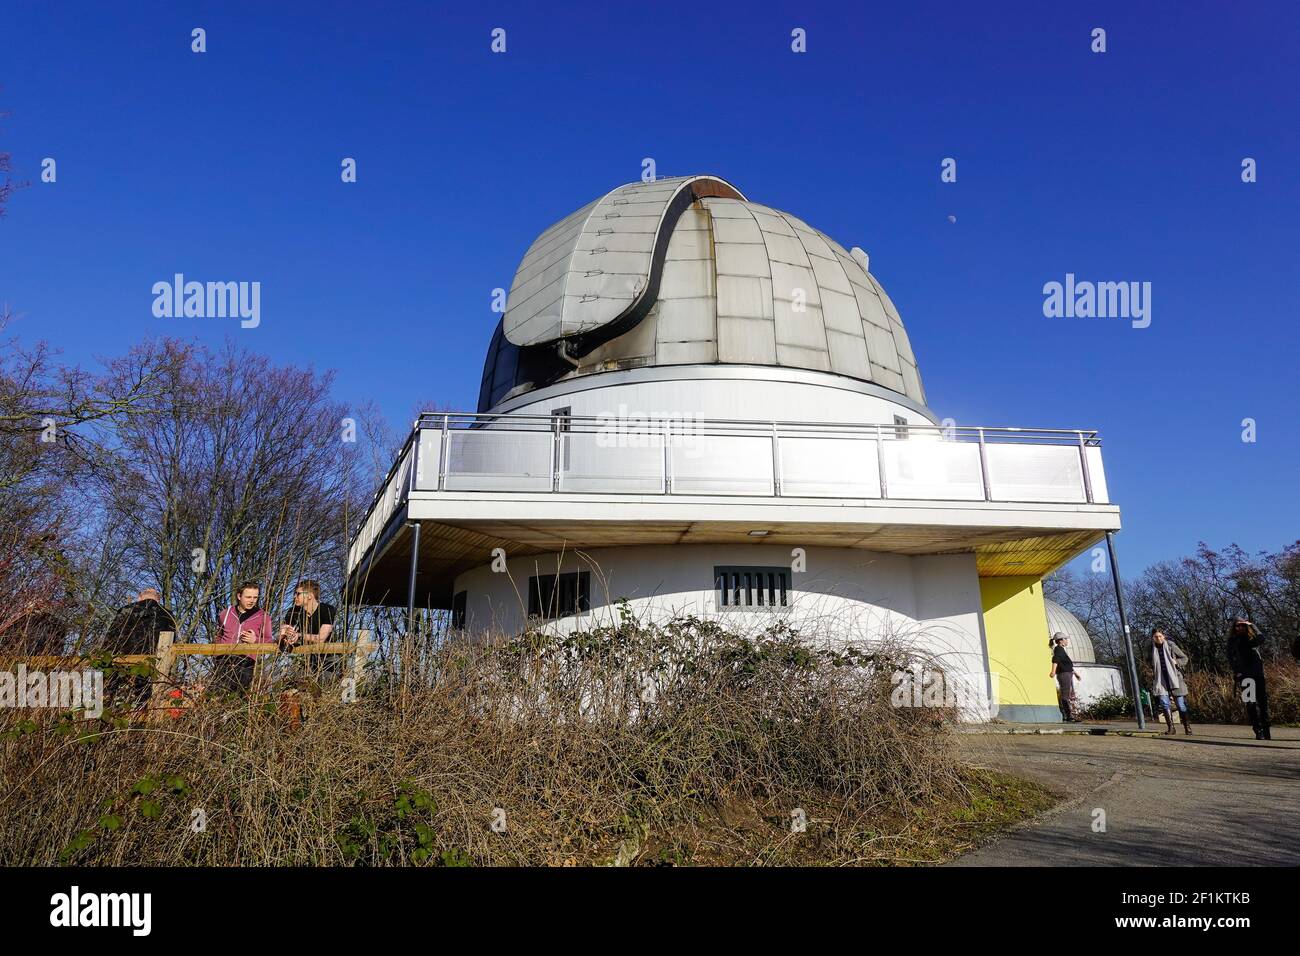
[
  {"x": 1097, "y": 681},
  {"x": 757, "y": 399},
  {"x": 930, "y": 603}
]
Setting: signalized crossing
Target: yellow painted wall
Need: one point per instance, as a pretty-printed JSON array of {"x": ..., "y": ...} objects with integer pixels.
[{"x": 1015, "y": 628}]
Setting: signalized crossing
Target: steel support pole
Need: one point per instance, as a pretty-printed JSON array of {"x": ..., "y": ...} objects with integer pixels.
[
  {"x": 415, "y": 564},
  {"x": 1128, "y": 638}
]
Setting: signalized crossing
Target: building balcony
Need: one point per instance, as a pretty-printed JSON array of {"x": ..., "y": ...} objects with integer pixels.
[{"x": 1024, "y": 500}]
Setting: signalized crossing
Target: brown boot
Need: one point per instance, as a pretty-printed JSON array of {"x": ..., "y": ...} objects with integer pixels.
[
  {"x": 1169, "y": 723},
  {"x": 1187, "y": 726}
]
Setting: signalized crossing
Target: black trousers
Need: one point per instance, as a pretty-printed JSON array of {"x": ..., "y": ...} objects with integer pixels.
[
  {"x": 1257, "y": 710},
  {"x": 127, "y": 690},
  {"x": 233, "y": 675}
]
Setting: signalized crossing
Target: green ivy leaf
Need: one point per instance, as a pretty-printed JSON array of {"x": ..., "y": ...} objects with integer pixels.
[
  {"x": 456, "y": 857},
  {"x": 83, "y": 839}
]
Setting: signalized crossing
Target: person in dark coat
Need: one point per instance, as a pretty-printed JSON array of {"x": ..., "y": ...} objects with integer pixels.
[
  {"x": 135, "y": 630},
  {"x": 1247, "y": 664},
  {"x": 136, "y": 626}
]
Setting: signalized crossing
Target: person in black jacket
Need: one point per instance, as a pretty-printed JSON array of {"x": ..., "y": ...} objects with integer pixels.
[
  {"x": 136, "y": 626},
  {"x": 1063, "y": 673},
  {"x": 1248, "y": 671},
  {"x": 311, "y": 621},
  {"x": 134, "y": 630}
]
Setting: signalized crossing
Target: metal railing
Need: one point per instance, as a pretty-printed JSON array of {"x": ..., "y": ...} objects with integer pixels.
[{"x": 520, "y": 453}]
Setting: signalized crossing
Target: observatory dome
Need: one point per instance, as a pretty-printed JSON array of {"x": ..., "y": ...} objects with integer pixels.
[{"x": 688, "y": 271}]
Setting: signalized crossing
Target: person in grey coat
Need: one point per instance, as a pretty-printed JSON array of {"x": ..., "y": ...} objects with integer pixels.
[{"x": 1167, "y": 663}]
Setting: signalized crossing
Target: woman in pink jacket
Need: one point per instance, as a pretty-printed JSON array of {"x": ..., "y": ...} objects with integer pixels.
[{"x": 241, "y": 623}]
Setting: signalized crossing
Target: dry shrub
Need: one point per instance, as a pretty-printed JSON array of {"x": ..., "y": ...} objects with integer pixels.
[
  {"x": 1216, "y": 698},
  {"x": 632, "y": 743}
]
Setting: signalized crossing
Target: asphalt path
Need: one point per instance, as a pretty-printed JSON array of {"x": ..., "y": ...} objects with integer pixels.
[{"x": 1216, "y": 798}]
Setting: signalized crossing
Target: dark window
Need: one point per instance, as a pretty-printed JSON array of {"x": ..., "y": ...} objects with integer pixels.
[
  {"x": 900, "y": 426},
  {"x": 752, "y": 586},
  {"x": 565, "y": 426},
  {"x": 559, "y": 595},
  {"x": 458, "y": 610}
]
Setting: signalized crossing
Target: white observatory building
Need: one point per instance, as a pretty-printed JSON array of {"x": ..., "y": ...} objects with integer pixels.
[{"x": 697, "y": 404}]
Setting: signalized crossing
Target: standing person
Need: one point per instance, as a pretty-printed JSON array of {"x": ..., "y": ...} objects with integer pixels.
[
  {"x": 1063, "y": 673},
  {"x": 136, "y": 626},
  {"x": 1167, "y": 662},
  {"x": 244, "y": 622},
  {"x": 1248, "y": 671},
  {"x": 134, "y": 630},
  {"x": 310, "y": 621}
]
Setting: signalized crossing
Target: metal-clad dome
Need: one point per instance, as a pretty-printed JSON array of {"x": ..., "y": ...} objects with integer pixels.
[
  {"x": 687, "y": 271},
  {"x": 1061, "y": 621}
]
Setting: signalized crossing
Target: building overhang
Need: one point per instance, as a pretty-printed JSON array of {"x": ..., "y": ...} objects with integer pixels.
[
  {"x": 469, "y": 488},
  {"x": 459, "y": 531}
]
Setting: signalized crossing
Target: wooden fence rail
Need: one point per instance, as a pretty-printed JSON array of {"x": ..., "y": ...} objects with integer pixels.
[{"x": 168, "y": 652}]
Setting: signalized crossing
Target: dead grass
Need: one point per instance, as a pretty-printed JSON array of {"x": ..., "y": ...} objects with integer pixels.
[
  {"x": 631, "y": 745},
  {"x": 1216, "y": 699}
]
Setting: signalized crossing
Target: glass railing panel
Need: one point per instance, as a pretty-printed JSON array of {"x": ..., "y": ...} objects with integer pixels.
[
  {"x": 494, "y": 459},
  {"x": 1097, "y": 476},
  {"x": 430, "y": 459},
  {"x": 623, "y": 462},
  {"x": 829, "y": 467},
  {"x": 721, "y": 464},
  {"x": 1031, "y": 472},
  {"x": 933, "y": 470}
]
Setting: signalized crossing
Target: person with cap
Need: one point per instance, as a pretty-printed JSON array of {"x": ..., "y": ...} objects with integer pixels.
[
  {"x": 1167, "y": 662},
  {"x": 1064, "y": 674},
  {"x": 1247, "y": 665}
]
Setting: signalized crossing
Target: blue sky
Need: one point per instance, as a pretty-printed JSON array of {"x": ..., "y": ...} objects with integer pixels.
[{"x": 1122, "y": 166}]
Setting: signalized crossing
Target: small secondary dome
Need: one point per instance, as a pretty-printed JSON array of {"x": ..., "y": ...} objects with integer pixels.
[
  {"x": 1061, "y": 621},
  {"x": 687, "y": 271}
]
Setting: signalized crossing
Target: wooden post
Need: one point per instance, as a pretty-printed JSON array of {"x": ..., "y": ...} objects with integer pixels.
[
  {"x": 363, "y": 649},
  {"x": 164, "y": 662}
]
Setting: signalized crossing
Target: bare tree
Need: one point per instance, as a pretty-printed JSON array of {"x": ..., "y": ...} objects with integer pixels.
[
  {"x": 247, "y": 474},
  {"x": 48, "y": 416},
  {"x": 1194, "y": 599},
  {"x": 7, "y": 185}
]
